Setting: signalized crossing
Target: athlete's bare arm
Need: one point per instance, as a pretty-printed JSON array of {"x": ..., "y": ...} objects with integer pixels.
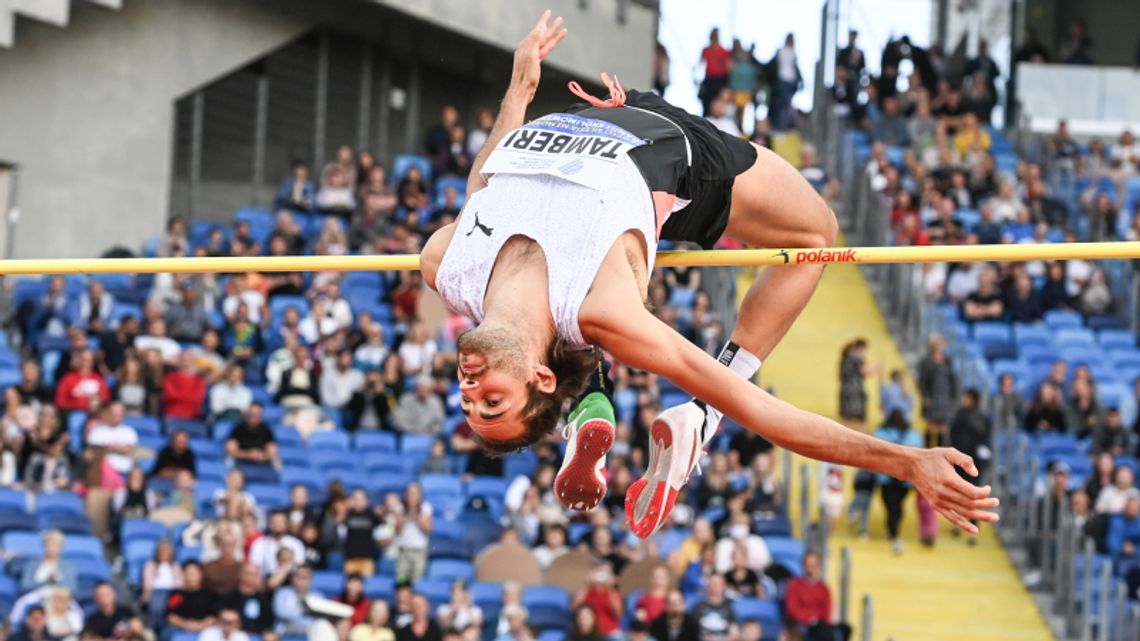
[
  {"x": 526, "y": 72},
  {"x": 614, "y": 318}
]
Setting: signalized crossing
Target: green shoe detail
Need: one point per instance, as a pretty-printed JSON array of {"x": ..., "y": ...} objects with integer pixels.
[{"x": 595, "y": 406}]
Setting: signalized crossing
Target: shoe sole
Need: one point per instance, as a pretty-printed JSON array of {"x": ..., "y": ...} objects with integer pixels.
[
  {"x": 650, "y": 500},
  {"x": 578, "y": 486}
]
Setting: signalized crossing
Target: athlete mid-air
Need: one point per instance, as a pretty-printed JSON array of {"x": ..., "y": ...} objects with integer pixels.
[{"x": 552, "y": 254}]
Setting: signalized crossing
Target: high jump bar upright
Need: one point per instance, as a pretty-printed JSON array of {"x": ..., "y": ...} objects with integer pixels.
[{"x": 708, "y": 258}]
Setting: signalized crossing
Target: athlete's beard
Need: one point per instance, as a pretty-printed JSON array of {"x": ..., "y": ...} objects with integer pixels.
[{"x": 500, "y": 348}]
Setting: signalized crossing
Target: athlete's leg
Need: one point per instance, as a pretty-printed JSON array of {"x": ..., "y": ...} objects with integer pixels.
[
  {"x": 590, "y": 429},
  {"x": 774, "y": 206}
]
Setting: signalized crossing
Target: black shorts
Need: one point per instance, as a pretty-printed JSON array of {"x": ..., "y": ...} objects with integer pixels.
[
  {"x": 717, "y": 160},
  {"x": 698, "y": 164}
]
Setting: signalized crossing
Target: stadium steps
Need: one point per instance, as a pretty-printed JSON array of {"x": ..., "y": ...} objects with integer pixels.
[
  {"x": 948, "y": 593},
  {"x": 54, "y": 12}
]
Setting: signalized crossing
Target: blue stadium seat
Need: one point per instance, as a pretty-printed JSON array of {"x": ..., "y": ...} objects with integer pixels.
[
  {"x": 787, "y": 552},
  {"x": 1058, "y": 318},
  {"x": 82, "y": 546},
  {"x": 269, "y": 496},
  {"x": 189, "y": 553},
  {"x": 380, "y": 587},
  {"x": 489, "y": 486},
  {"x": 313, "y": 480},
  {"x": 968, "y": 218},
  {"x": 285, "y": 435},
  {"x": 521, "y": 464},
  {"x": 1123, "y": 359},
  {"x": 329, "y": 584},
  {"x": 278, "y": 305},
  {"x": 404, "y": 162},
  {"x": 450, "y": 570},
  {"x": 192, "y": 426},
  {"x": 437, "y": 591},
  {"x": 207, "y": 450},
  {"x": 766, "y": 611},
  {"x": 1081, "y": 354},
  {"x": 1031, "y": 335},
  {"x": 258, "y": 473},
  {"x": 65, "y": 522},
  {"x": 19, "y": 543},
  {"x": 1074, "y": 337},
  {"x": 13, "y": 500},
  {"x": 551, "y": 635},
  {"x": 988, "y": 332},
  {"x": 59, "y": 502},
  {"x": 331, "y": 440},
  {"x": 545, "y": 595},
  {"x": 384, "y": 463},
  {"x": 416, "y": 443},
  {"x": 20, "y": 521},
  {"x": 441, "y": 484},
  {"x": 375, "y": 441},
  {"x": 293, "y": 456},
  {"x": 1114, "y": 338},
  {"x": 772, "y": 526},
  {"x": 141, "y": 530},
  {"x": 447, "y": 547},
  {"x": 260, "y": 222},
  {"x": 486, "y": 593}
]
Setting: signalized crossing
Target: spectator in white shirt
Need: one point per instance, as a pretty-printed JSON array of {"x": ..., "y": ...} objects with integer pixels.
[
  {"x": 117, "y": 439},
  {"x": 156, "y": 338},
  {"x": 243, "y": 292},
  {"x": 263, "y": 553},
  {"x": 95, "y": 308},
  {"x": 720, "y": 116},
  {"x": 340, "y": 382},
  {"x": 228, "y": 628},
  {"x": 417, "y": 351},
  {"x": 317, "y": 324},
  {"x": 420, "y": 411},
  {"x": 230, "y": 398},
  {"x": 373, "y": 352},
  {"x": 337, "y": 306}
]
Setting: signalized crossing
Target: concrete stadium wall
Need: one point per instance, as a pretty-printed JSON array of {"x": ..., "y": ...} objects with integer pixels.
[
  {"x": 597, "y": 41},
  {"x": 86, "y": 112}
]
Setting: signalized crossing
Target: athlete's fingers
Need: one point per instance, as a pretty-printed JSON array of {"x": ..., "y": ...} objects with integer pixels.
[
  {"x": 540, "y": 26},
  {"x": 959, "y": 521},
  {"x": 962, "y": 460},
  {"x": 551, "y": 43}
]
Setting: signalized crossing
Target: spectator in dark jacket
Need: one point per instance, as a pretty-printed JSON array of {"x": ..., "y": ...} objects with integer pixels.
[
  {"x": 297, "y": 191},
  {"x": 676, "y": 624}
]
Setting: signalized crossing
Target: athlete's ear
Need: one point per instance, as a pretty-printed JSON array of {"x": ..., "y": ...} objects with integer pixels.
[{"x": 545, "y": 380}]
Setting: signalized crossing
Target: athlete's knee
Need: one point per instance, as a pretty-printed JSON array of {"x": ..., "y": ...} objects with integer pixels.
[{"x": 824, "y": 227}]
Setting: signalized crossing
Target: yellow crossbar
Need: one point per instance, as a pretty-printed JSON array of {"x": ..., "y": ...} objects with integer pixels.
[{"x": 709, "y": 258}]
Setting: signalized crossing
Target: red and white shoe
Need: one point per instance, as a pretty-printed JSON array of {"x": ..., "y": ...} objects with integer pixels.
[
  {"x": 581, "y": 483},
  {"x": 675, "y": 449}
]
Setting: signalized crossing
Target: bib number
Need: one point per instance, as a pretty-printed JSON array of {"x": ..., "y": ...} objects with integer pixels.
[{"x": 582, "y": 150}]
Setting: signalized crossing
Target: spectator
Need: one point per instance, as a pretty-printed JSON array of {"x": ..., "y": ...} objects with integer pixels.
[
  {"x": 251, "y": 441},
  {"x": 740, "y": 581},
  {"x": 807, "y": 602},
  {"x": 1112, "y": 499},
  {"x": 786, "y": 82},
  {"x": 676, "y": 624},
  {"x": 251, "y": 600},
  {"x": 183, "y": 390},
  {"x": 191, "y": 608},
  {"x": 460, "y": 613},
  {"x": 336, "y": 195},
  {"x": 298, "y": 388},
  {"x": 360, "y": 529},
  {"x": 290, "y": 612},
  {"x": 453, "y": 158},
  {"x": 516, "y": 627},
  {"x": 717, "y": 61},
  {"x": 157, "y": 339},
  {"x": 131, "y": 388},
  {"x": 161, "y": 576},
  {"x": 585, "y": 626},
  {"x": 33, "y": 627},
  {"x": 1124, "y": 531},
  {"x": 263, "y": 553},
  {"x": 420, "y": 411},
  {"x": 603, "y": 599},
  {"x": 1054, "y": 293},
  {"x": 417, "y": 351},
  {"x": 116, "y": 440},
  {"x": 714, "y": 614},
  {"x": 1024, "y": 302},
  {"x": 553, "y": 545},
  {"x": 95, "y": 309},
  {"x": 187, "y": 318},
  {"x": 853, "y": 371},
  {"x": 720, "y": 114},
  {"x": 81, "y": 385},
  {"x": 895, "y": 430},
  {"x": 1046, "y": 413},
  {"x": 51, "y": 568},
  {"x": 890, "y": 128},
  {"x": 108, "y": 619},
  {"x": 412, "y": 191},
  {"x": 421, "y": 627},
  {"x": 64, "y": 617},
  {"x": 377, "y": 627},
  {"x": 651, "y": 605},
  {"x": 340, "y": 383},
  {"x": 296, "y": 192},
  {"x": 985, "y": 303},
  {"x": 938, "y": 385},
  {"x": 413, "y": 527},
  {"x": 228, "y": 628},
  {"x": 49, "y": 470},
  {"x": 134, "y": 499},
  {"x": 353, "y": 595},
  {"x": 1111, "y": 436},
  {"x": 439, "y": 135},
  {"x": 230, "y": 398},
  {"x": 224, "y": 574},
  {"x": 1102, "y": 475}
]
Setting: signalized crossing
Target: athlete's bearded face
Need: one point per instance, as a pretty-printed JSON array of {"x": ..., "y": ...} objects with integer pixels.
[{"x": 494, "y": 368}]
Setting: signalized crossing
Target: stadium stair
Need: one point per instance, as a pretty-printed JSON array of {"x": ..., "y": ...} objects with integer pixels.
[
  {"x": 947, "y": 593},
  {"x": 54, "y": 12}
]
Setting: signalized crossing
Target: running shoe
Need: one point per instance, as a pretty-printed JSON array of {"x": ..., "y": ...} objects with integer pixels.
[
  {"x": 581, "y": 483},
  {"x": 676, "y": 442}
]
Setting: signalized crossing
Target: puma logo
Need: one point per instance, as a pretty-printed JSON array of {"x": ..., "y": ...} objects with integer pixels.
[
  {"x": 487, "y": 231},
  {"x": 784, "y": 253}
]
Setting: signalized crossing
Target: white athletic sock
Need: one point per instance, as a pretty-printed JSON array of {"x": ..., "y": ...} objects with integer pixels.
[{"x": 741, "y": 362}]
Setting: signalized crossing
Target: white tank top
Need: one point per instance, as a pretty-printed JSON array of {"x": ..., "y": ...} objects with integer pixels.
[{"x": 575, "y": 226}]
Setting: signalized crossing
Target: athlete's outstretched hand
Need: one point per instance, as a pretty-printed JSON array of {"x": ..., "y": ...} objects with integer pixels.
[
  {"x": 935, "y": 476},
  {"x": 533, "y": 49}
]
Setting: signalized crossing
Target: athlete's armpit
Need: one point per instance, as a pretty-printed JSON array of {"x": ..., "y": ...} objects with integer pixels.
[{"x": 432, "y": 255}]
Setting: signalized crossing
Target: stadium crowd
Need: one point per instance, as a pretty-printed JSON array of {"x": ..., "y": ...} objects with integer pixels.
[{"x": 200, "y": 456}]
